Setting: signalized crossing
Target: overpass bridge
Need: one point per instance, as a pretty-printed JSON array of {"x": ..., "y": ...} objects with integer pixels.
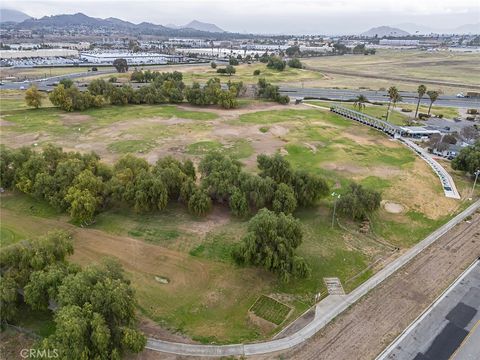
[{"x": 448, "y": 185}]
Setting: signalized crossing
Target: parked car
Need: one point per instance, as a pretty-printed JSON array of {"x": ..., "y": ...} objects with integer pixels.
[{"x": 460, "y": 95}]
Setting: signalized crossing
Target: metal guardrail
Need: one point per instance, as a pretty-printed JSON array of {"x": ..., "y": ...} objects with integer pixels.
[{"x": 374, "y": 122}]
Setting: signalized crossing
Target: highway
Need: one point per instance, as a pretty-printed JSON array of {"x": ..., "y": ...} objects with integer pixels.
[{"x": 372, "y": 95}]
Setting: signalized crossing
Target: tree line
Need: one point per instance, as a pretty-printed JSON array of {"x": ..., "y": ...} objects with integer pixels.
[
  {"x": 94, "y": 306},
  {"x": 84, "y": 186}
]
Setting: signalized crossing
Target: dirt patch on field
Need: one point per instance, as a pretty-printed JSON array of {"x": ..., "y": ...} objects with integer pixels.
[
  {"x": 392, "y": 207},
  {"x": 264, "y": 326},
  {"x": 152, "y": 329},
  {"x": 70, "y": 119},
  {"x": 6, "y": 123},
  {"x": 217, "y": 218}
]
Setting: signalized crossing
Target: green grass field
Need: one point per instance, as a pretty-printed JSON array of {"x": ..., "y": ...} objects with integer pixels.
[
  {"x": 208, "y": 296},
  {"x": 270, "y": 309}
]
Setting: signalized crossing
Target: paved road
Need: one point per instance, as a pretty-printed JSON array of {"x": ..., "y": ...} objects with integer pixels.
[
  {"x": 448, "y": 327},
  {"x": 347, "y": 94},
  {"x": 325, "y": 311}
]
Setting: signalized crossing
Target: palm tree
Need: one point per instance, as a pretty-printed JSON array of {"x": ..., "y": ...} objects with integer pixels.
[
  {"x": 421, "y": 90},
  {"x": 360, "y": 102},
  {"x": 394, "y": 96},
  {"x": 433, "y": 95}
]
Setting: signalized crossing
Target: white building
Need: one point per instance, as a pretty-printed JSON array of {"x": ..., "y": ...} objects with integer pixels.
[
  {"x": 139, "y": 58},
  {"x": 399, "y": 42}
]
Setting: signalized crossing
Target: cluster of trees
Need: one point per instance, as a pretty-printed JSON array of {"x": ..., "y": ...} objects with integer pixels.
[
  {"x": 162, "y": 88},
  {"x": 468, "y": 159},
  {"x": 229, "y": 70},
  {"x": 276, "y": 63},
  {"x": 432, "y": 95},
  {"x": 271, "y": 242},
  {"x": 83, "y": 186},
  {"x": 95, "y": 306},
  {"x": 277, "y": 187},
  {"x": 295, "y": 63},
  {"x": 270, "y": 92},
  {"x": 213, "y": 94},
  {"x": 359, "y": 202}
]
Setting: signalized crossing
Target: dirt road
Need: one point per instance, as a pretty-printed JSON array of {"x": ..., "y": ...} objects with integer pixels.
[{"x": 369, "y": 326}]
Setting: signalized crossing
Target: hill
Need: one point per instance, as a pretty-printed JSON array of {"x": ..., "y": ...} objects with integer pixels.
[
  {"x": 84, "y": 22},
  {"x": 15, "y": 16},
  {"x": 198, "y": 25},
  {"x": 382, "y": 31}
]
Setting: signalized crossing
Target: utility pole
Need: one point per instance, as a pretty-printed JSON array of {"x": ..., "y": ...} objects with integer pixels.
[
  {"x": 336, "y": 197},
  {"x": 476, "y": 173}
]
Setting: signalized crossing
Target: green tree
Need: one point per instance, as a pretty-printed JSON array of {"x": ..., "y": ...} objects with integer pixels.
[
  {"x": 199, "y": 203},
  {"x": 284, "y": 199},
  {"x": 67, "y": 83},
  {"x": 360, "y": 101},
  {"x": 230, "y": 69},
  {"x": 121, "y": 65},
  {"x": 33, "y": 97},
  {"x": 295, "y": 63},
  {"x": 213, "y": 65},
  {"x": 271, "y": 242},
  {"x": 359, "y": 202},
  {"x": 394, "y": 97},
  {"x": 232, "y": 61},
  {"x": 277, "y": 63},
  {"x": 433, "y": 96},
  {"x": 238, "y": 203},
  {"x": 421, "y": 90},
  {"x": 59, "y": 98},
  {"x": 275, "y": 167},
  {"x": 468, "y": 159}
]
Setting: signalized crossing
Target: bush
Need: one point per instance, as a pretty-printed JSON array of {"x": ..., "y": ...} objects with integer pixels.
[
  {"x": 213, "y": 65},
  {"x": 295, "y": 63},
  {"x": 232, "y": 61},
  {"x": 275, "y": 62},
  {"x": 256, "y": 72},
  {"x": 199, "y": 203},
  {"x": 406, "y": 110}
]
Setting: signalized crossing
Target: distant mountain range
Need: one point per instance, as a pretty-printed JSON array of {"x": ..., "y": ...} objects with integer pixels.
[
  {"x": 14, "y": 16},
  {"x": 79, "y": 20},
  {"x": 422, "y": 29},
  {"x": 382, "y": 31},
  {"x": 197, "y": 25}
]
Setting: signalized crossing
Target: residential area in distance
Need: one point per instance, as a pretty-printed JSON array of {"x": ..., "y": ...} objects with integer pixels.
[{"x": 298, "y": 181}]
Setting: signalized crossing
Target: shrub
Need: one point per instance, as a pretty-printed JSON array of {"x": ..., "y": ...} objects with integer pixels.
[
  {"x": 406, "y": 110},
  {"x": 256, "y": 72},
  {"x": 295, "y": 63},
  {"x": 199, "y": 203}
]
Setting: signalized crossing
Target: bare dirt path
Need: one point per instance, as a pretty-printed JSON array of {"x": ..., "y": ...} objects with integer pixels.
[{"x": 364, "y": 330}]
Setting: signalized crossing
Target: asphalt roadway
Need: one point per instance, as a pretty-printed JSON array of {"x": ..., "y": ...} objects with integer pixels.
[
  {"x": 372, "y": 95},
  {"x": 449, "y": 329}
]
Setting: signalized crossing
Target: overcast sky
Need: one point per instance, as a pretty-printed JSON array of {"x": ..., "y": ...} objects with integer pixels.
[{"x": 273, "y": 16}]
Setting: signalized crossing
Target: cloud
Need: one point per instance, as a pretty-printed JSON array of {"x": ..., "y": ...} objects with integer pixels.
[{"x": 280, "y": 16}]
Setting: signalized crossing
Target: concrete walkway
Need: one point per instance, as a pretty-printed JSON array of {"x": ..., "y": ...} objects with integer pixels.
[
  {"x": 448, "y": 184},
  {"x": 325, "y": 311}
]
